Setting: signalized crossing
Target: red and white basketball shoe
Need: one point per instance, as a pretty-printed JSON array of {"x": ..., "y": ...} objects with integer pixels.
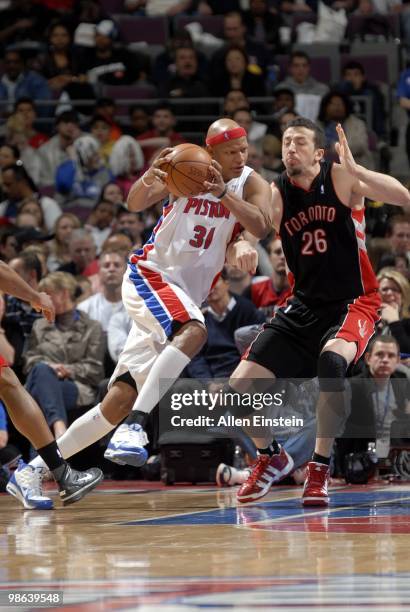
[
  {"x": 265, "y": 472},
  {"x": 316, "y": 483}
]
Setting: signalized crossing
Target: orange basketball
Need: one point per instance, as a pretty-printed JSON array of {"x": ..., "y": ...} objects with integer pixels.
[{"x": 187, "y": 170}]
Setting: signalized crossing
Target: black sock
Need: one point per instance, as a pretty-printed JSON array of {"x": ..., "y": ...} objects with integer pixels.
[
  {"x": 272, "y": 449},
  {"x": 51, "y": 456},
  {"x": 137, "y": 416},
  {"x": 320, "y": 459}
]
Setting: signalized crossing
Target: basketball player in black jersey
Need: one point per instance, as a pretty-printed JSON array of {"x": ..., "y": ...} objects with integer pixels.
[{"x": 326, "y": 325}]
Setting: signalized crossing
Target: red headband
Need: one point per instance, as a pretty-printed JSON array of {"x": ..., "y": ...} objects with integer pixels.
[{"x": 225, "y": 136}]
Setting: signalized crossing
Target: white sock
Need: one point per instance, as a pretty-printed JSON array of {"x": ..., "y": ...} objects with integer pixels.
[
  {"x": 167, "y": 367},
  {"x": 86, "y": 430}
]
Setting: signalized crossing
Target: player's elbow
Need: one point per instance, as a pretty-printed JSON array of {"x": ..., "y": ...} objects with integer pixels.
[
  {"x": 405, "y": 199},
  {"x": 261, "y": 229}
]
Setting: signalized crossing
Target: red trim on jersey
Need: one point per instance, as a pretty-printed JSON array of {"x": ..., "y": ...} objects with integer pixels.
[
  {"x": 295, "y": 184},
  {"x": 359, "y": 323},
  {"x": 369, "y": 280},
  {"x": 166, "y": 294},
  {"x": 3, "y": 362}
]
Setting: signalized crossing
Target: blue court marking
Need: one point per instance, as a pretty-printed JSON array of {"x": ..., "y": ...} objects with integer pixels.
[{"x": 340, "y": 506}]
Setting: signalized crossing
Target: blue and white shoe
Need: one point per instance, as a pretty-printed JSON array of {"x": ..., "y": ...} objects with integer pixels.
[
  {"x": 25, "y": 484},
  {"x": 126, "y": 447}
]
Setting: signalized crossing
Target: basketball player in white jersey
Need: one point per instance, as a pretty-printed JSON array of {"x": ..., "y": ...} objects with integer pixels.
[{"x": 166, "y": 282}]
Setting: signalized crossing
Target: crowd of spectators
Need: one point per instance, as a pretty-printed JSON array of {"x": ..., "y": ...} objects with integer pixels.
[{"x": 69, "y": 154}]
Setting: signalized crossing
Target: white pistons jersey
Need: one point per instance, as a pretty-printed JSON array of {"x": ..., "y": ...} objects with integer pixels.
[{"x": 188, "y": 245}]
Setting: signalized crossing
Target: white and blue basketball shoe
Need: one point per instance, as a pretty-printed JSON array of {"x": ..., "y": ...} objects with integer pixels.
[
  {"x": 126, "y": 446},
  {"x": 26, "y": 485}
]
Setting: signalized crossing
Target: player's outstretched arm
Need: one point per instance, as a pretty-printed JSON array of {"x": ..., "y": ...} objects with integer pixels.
[
  {"x": 369, "y": 184},
  {"x": 12, "y": 283},
  {"x": 150, "y": 188},
  {"x": 254, "y": 212}
]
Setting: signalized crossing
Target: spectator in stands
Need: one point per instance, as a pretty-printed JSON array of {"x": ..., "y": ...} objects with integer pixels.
[
  {"x": 9, "y": 155},
  {"x": 100, "y": 221},
  {"x": 33, "y": 208},
  {"x": 398, "y": 235},
  {"x": 262, "y": 24},
  {"x": 120, "y": 241},
  {"x": 255, "y": 161},
  {"x": 394, "y": 289},
  {"x": 224, "y": 314},
  {"x": 118, "y": 329},
  {"x": 284, "y": 120},
  {"x": 284, "y": 101},
  {"x": 379, "y": 400},
  {"x": 107, "y": 108},
  {"x": 272, "y": 154},
  {"x": 100, "y": 128},
  {"x": 288, "y": 7},
  {"x": 133, "y": 223},
  {"x": 59, "y": 251},
  {"x": 59, "y": 65},
  {"x": 25, "y": 108},
  {"x": 355, "y": 84},
  {"x": 9, "y": 246},
  {"x": 18, "y": 188},
  {"x": 82, "y": 251},
  {"x": 303, "y": 84},
  {"x": 54, "y": 152},
  {"x": 113, "y": 193},
  {"x": 268, "y": 293},
  {"x": 109, "y": 65},
  {"x": 234, "y": 100},
  {"x": 104, "y": 304},
  {"x": 18, "y": 82},
  {"x": 139, "y": 120},
  {"x": 235, "y": 34},
  {"x": 254, "y": 129},
  {"x": 81, "y": 178},
  {"x": 186, "y": 83},
  {"x": 163, "y": 127},
  {"x": 164, "y": 63},
  {"x": 126, "y": 162},
  {"x": 19, "y": 317},
  {"x": 64, "y": 361},
  {"x": 336, "y": 108},
  {"x": 23, "y": 21},
  {"x": 403, "y": 94},
  {"x": 237, "y": 74},
  {"x": 16, "y": 136},
  {"x": 398, "y": 262}
]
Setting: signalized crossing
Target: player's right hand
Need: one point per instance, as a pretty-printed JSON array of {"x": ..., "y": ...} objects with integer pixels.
[
  {"x": 44, "y": 304},
  {"x": 155, "y": 172}
]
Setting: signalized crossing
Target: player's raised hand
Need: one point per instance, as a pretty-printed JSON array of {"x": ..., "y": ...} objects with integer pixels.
[
  {"x": 43, "y": 304},
  {"x": 216, "y": 184},
  {"x": 345, "y": 155}
]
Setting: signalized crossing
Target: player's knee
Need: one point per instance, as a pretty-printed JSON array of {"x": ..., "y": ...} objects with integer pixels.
[
  {"x": 8, "y": 378},
  {"x": 331, "y": 371}
]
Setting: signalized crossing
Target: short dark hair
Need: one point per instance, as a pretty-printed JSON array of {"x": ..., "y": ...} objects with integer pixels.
[
  {"x": 12, "y": 148},
  {"x": 394, "y": 220},
  {"x": 353, "y": 65},
  {"x": 163, "y": 105},
  {"x": 96, "y": 119},
  {"x": 67, "y": 117},
  {"x": 24, "y": 100},
  {"x": 284, "y": 90},
  {"x": 31, "y": 262},
  {"x": 135, "y": 107},
  {"x": 309, "y": 125},
  {"x": 20, "y": 174},
  {"x": 328, "y": 97},
  {"x": 296, "y": 54},
  {"x": 385, "y": 339}
]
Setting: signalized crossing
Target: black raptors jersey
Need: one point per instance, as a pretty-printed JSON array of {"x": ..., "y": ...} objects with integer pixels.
[{"x": 323, "y": 242}]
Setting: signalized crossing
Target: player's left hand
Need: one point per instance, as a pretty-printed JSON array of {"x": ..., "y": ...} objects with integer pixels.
[
  {"x": 43, "y": 304},
  {"x": 216, "y": 184},
  {"x": 244, "y": 256},
  {"x": 345, "y": 155}
]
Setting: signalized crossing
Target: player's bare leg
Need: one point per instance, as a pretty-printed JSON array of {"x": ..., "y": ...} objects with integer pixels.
[{"x": 28, "y": 419}]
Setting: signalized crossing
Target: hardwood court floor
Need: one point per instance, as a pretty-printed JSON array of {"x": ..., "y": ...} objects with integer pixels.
[{"x": 140, "y": 546}]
